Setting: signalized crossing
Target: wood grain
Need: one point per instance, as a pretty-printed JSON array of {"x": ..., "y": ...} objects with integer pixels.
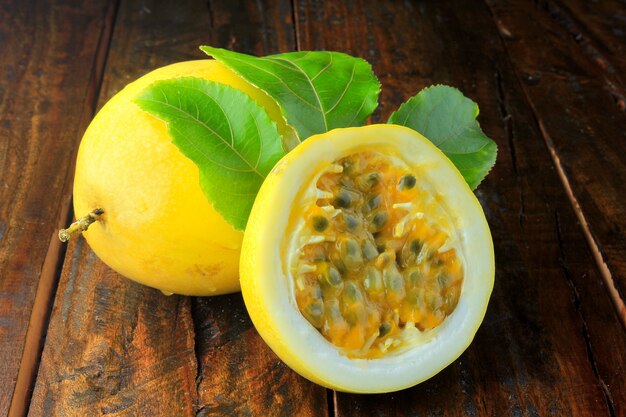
[
  {"x": 551, "y": 343},
  {"x": 598, "y": 29},
  {"x": 238, "y": 373},
  {"x": 117, "y": 348},
  {"x": 51, "y": 64},
  {"x": 587, "y": 136},
  {"x": 114, "y": 347},
  {"x": 548, "y": 76}
]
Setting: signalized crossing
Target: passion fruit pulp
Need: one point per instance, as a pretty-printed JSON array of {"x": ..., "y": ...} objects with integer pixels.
[{"x": 367, "y": 262}]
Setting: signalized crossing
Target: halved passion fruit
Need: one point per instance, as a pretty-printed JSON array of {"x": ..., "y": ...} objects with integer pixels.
[{"x": 367, "y": 262}]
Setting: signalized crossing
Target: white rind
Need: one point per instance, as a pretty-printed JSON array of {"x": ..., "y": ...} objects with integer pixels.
[{"x": 268, "y": 289}]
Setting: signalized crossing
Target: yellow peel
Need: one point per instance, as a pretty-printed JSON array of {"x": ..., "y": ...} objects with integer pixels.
[{"x": 157, "y": 227}]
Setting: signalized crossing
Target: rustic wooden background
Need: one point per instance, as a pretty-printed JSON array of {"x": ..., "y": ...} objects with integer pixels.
[{"x": 76, "y": 339}]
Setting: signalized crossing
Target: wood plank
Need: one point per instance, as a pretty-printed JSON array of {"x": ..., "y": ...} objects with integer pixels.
[
  {"x": 121, "y": 349},
  {"x": 598, "y": 29},
  {"x": 113, "y": 346},
  {"x": 587, "y": 136},
  {"x": 551, "y": 343},
  {"x": 52, "y": 59},
  {"x": 238, "y": 373}
]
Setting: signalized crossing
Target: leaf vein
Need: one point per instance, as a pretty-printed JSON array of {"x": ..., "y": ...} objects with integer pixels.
[
  {"x": 317, "y": 96},
  {"x": 343, "y": 93},
  {"x": 207, "y": 127}
]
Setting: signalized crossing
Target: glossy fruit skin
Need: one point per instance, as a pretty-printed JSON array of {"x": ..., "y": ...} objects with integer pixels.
[
  {"x": 158, "y": 228},
  {"x": 267, "y": 287}
]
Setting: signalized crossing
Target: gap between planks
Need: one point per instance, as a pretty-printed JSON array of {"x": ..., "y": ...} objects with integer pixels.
[
  {"x": 603, "y": 269},
  {"x": 53, "y": 262},
  {"x": 37, "y": 325},
  {"x": 605, "y": 272}
]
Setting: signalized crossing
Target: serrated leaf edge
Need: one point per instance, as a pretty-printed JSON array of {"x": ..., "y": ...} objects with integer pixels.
[
  {"x": 492, "y": 163},
  {"x": 207, "y": 50}
]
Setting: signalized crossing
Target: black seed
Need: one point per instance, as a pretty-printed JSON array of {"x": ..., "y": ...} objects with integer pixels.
[
  {"x": 350, "y": 253},
  {"x": 407, "y": 182},
  {"x": 342, "y": 200},
  {"x": 415, "y": 277},
  {"x": 352, "y": 293},
  {"x": 384, "y": 329},
  {"x": 334, "y": 277},
  {"x": 374, "y": 202},
  {"x": 368, "y": 181},
  {"x": 443, "y": 279},
  {"x": 373, "y": 178},
  {"x": 369, "y": 250},
  {"x": 373, "y": 279},
  {"x": 345, "y": 198},
  {"x": 416, "y": 246},
  {"x": 320, "y": 223},
  {"x": 335, "y": 258},
  {"x": 314, "y": 313},
  {"x": 381, "y": 247},
  {"x": 379, "y": 219},
  {"x": 329, "y": 276},
  {"x": 394, "y": 282},
  {"x": 352, "y": 222}
]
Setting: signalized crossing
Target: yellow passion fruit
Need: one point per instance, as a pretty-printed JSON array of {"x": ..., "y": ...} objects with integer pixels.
[{"x": 367, "y": 262}]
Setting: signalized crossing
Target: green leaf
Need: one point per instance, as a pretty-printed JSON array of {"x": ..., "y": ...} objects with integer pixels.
[
  {"x": 316, "y": 90},
  {"x": 448, "y": 119},
  {"x": 224, "y": 132}
]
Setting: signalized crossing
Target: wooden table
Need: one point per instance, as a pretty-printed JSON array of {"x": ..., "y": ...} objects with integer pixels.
[{"x": 76, "y": 339}]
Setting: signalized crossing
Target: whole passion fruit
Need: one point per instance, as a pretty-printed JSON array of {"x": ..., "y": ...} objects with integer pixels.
[
  {"x": 367, "y": 262},
  {"x": 149, "y": 219}
]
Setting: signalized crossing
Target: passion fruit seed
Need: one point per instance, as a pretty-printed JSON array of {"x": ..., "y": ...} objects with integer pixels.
[
  {"x": 384, "y": 329},
  {"x": 410, "y": 252},
  {"x": 320, "y": 223},
  {"x": 394, "y": 284},
  {"x": 366, "y": 182},
  {"x": 369, "y": 250},
  {"x": 379, "y": 219},
  {"x": 407, "y": 182},
  {"x": 352, "y": 221},
  {"x": 380, "y": 269},
  {"x": 415, "y": 277},
  {"x": 373, "y": 280},
  {"x": 346, "y": 198},
  {"x": 374, "y": 202},
  {"x": 350, "y": 253},
  {"x": 331, "y": 276},
  {"x": 352, "y": 293}
]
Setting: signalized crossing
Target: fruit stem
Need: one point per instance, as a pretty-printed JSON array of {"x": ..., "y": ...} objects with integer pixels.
[{"x": 80, "y": 225}]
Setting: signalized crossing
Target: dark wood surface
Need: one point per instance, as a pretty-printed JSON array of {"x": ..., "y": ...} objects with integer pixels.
[{"x": 77, "y": 339}]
